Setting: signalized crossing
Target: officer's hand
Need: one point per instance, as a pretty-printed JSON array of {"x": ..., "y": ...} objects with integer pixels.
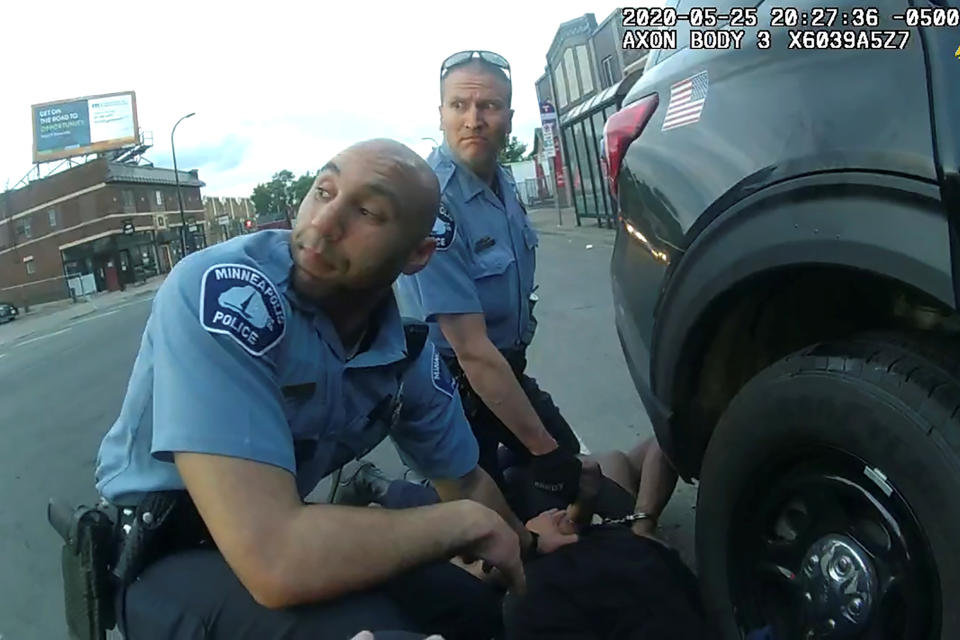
[
  {"x": 499, "y": 548},
  {"x": 558, "y": 473}
]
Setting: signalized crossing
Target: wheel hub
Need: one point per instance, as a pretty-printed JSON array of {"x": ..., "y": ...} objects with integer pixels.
[{"x": 839, "y": 586}]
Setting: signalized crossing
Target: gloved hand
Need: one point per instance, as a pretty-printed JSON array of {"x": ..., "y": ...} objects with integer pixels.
[{"x": 558, "y": 473}]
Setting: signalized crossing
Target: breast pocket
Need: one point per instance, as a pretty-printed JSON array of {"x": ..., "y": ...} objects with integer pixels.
[{"x": 494, "y": 286}]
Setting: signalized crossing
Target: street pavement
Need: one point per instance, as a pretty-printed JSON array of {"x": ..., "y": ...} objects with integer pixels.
[{"x": 63, "y": 379}]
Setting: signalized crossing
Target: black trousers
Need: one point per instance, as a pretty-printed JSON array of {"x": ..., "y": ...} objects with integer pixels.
[
  {"x": 194, "y": 595},
  {"x": 491, "y": 432}
]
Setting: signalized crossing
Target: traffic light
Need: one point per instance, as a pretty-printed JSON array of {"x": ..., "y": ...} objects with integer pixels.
[{"x": 248, "y": 224}]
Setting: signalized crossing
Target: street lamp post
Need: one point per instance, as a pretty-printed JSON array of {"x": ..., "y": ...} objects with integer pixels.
[{"x": 176, "y": 175}]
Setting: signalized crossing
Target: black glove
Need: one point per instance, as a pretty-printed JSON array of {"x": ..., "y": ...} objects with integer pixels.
[{"x": 557, "y": 473}]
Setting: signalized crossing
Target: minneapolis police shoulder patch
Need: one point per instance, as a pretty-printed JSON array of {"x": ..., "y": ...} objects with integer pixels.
[
  {"x": 241, "y": 302},
  {"x": 444, "y": 229},
  {"x": 442, "y": 379}
]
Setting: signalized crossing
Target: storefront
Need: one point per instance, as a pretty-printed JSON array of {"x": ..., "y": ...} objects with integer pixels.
[
  {"x": 114, "y": 261},
  {"x": 582, "y": 130}
]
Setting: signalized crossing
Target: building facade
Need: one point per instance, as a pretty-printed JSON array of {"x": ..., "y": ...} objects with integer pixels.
[
  {"x": 98, "y": 226},
  {"x": 227, "y": 217},
  {"x": 587, "y": 74}
]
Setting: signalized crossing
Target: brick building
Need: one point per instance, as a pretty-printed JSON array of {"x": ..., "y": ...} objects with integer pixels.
[
  {"x": 227, "y": 216},
  {"x": 101, "y": 224}
]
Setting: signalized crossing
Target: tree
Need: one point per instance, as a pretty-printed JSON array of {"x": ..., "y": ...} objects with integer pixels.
[
  {"x": 513, "y": 152},
  {"x": 282, "y": 194}
]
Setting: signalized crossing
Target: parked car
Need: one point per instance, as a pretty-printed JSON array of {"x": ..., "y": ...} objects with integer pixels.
[
  {"x": 785, "y": 279},
  {"x": 8, "y": 312}
]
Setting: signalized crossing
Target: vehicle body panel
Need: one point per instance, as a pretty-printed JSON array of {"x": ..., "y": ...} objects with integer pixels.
[{"x": 840, "y": 142}]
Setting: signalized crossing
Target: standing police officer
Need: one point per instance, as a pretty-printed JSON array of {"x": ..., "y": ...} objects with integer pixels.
[
  {"x": 476, "y": 292},
  {"x": 267, "y": 362}
]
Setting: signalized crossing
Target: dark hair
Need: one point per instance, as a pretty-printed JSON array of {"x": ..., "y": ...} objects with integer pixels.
[{"x": 486, "y": 67}]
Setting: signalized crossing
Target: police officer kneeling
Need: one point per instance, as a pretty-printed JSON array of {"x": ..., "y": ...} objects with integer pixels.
[{"x": 267, "y": 362}]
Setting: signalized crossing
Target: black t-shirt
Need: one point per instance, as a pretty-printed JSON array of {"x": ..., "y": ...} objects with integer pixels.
[{"x": 611, "y": 585}]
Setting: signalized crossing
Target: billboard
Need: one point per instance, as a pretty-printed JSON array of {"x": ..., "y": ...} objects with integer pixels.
[{"x": 66, "y": 128}]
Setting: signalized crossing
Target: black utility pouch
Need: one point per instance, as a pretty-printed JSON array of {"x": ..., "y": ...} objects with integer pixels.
[{"x": 88, "y": 587}]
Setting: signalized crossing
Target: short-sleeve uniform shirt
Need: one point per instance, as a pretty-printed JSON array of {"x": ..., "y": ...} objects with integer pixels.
[
  {"x": 234, "y": 362},
  {"x": 485, "y": 258}
]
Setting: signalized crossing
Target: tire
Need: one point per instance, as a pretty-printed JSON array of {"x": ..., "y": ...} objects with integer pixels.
[{"x": 885, "y": 402}]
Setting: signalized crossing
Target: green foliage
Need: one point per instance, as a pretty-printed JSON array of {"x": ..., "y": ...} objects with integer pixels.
[
  {"x": 283, "y": 193},
  {"x": 513, "y": 152}
]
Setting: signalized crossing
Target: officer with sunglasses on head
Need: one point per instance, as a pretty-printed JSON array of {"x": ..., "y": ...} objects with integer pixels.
[{"x": 477, "y": 291}]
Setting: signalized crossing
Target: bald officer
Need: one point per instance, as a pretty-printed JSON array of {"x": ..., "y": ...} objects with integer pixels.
[
  {"x": 476, "y": 291},
  {"x": 267, "y": 362}
]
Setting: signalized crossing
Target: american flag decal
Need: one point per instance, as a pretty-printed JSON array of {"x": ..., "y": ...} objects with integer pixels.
[{"x": 686, "y": 101}]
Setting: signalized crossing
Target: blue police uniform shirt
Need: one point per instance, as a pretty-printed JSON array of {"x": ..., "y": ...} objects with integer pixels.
[
  {"x": 485, "y": 258},
  {"x": 234, "y": 362}
]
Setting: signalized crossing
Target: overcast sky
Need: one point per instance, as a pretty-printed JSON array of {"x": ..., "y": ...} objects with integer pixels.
[{"x": 282, "y": 86}]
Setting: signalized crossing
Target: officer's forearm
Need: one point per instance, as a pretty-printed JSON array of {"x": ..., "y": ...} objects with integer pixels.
[
  {"x": 492, "y": 378},
  {"x": 480, "y": 487},
  {"x": 327, "y": 551}
]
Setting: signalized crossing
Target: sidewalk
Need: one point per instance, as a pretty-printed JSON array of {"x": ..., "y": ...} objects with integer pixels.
[
  {"x": 546, "y": 220},
  {"x": 48, "y": 316}
]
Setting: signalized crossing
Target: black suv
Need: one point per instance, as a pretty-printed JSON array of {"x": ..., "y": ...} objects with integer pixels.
[{"x": 785, "y": 280}]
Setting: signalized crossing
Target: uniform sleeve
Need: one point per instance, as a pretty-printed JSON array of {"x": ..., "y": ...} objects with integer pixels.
[
  {"x": 445, "y": 284},
  {"x": 211, "y": 394},
  {"x": 433, "y": 435}
]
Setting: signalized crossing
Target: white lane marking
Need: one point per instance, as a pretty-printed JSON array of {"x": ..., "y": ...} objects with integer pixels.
[
  {"x": 49, "y": 335},
  {"x": 2, "y": 355},
  {"x": 95, "y": 317}
]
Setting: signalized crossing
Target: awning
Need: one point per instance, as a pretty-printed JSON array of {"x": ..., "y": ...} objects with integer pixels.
[{"x": 602, "y": 100}]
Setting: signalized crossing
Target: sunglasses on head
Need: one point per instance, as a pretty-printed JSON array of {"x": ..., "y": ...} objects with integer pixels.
[{"x": 462, "y": 57}]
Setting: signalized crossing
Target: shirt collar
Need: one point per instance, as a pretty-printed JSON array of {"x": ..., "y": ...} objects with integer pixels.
[
  {"x": 470, "y": 185},
  {"x": 389, "y": 343}
]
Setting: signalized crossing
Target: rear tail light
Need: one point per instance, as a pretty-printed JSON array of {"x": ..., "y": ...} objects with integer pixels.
[{"x": 621, "y": 129}]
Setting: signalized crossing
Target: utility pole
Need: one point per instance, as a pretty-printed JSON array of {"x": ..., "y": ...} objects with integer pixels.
[{"x": 176, "y": 174}]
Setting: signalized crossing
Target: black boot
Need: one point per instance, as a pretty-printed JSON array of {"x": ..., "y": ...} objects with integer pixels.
[{"x": 360, "y": 484}]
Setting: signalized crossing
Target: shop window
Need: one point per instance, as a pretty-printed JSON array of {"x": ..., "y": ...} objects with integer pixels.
[
  {"x": 559, "y": 78},
  {"x": 586, "y": 169},
  {"x": 31, "y": 266},
  {"x": 573, "y": 162},
  {"x": 586, "y": 71},
  {"x": 606, "y": 69},
  {"x": 573, "y": 87}
]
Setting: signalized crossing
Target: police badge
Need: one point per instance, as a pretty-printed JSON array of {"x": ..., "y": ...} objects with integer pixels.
[{"x": 444, "y": 229}]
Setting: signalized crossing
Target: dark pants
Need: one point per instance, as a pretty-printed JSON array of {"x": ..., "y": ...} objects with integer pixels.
[
  {"x": 491, "y": 432},
  {"x": 194, "y": 595}
]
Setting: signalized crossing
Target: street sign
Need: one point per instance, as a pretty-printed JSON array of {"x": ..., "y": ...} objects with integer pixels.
[
  {"x": 547, "y": 112},
  {"x": 128, "y": 228},
  {"x": 549, "y": 148},
  {"x": 223, "y": 220}
]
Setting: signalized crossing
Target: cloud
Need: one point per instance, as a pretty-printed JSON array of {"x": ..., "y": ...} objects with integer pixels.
[{"x": 281, "y": 85}]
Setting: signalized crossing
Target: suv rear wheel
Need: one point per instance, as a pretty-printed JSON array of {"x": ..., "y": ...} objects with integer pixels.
[{"x": 829, "y": 501}]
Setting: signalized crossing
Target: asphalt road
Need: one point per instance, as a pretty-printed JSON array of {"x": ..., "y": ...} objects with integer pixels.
[{"x": 62, "y": 389}]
